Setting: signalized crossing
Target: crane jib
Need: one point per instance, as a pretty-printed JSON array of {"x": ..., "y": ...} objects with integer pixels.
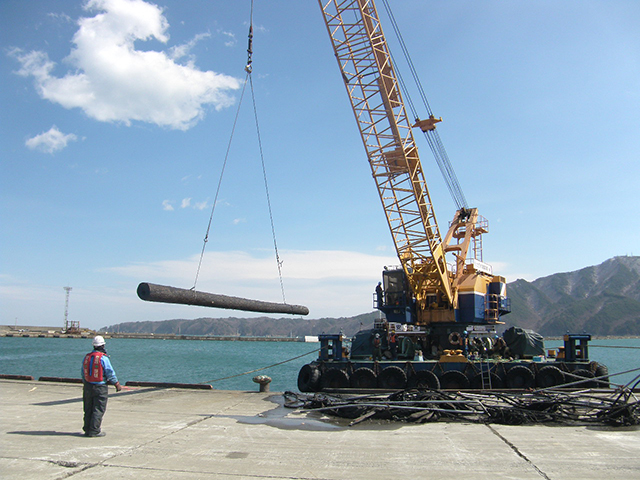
[{"x": 386, "y": 132}]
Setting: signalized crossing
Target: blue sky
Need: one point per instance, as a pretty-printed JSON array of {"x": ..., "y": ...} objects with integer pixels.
[{"x": 116, "y": 116}]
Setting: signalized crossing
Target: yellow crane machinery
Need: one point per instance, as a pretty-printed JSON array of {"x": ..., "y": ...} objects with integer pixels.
[
  {"x": 442, "y": 304},
  {"x": 441, "y": 280}
]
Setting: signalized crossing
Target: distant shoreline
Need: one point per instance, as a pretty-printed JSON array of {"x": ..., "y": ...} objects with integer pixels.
[
  {"x": 52, "y": 332},
  {"x": 28, "y": 331}
]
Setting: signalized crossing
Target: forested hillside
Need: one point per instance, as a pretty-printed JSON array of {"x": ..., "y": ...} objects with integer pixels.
[
  {"x": 602, "y": 300},
  {"x": 258, "y": 327}
]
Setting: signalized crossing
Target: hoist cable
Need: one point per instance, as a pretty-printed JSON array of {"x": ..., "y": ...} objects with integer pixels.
[
  {"x": 266, "y": 187},
  {"x": 224, "y": 164},
  {"x": 461, "y": 201},
  {"x": 438, "y": 152},
  {"x": 442, "y": 167},
  {"x": 405, "y": 51},
  {"x": 249, "y": 69},
  {"x": 432, "y": 136}
]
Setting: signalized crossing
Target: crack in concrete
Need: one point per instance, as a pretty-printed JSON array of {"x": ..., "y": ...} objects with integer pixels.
[
  {"x": 63, "y": 463},
  {"x": 518, "y": 452}
]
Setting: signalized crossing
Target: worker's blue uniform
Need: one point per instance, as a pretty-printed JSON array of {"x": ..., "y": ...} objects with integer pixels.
[{"x": 97, "y": 373}]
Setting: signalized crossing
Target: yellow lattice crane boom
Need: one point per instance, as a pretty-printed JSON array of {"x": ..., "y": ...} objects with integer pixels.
[{"x": 386, "y": 130}]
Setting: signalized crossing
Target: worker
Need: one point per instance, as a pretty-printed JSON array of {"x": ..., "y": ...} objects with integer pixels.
[
  {"x": 479, "y": 347},
  {"x": 379, "y": 295},
  {"x": 500, "y": 349},
  {"x": 97, "y": 373},
  {"x": 393, "y": 344},
  {"x": 377, "y": 347},
  {"x": 435, "y": 349}
]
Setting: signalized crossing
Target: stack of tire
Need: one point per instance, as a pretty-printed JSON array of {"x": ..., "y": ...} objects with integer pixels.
[{"x": 516, "y": 377}]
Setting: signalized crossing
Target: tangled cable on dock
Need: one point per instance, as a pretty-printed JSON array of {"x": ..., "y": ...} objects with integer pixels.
[{"x": 585, "y": 407}]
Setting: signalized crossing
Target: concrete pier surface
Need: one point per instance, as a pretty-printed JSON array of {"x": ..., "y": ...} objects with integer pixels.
[{"x": 215, "y": 434}]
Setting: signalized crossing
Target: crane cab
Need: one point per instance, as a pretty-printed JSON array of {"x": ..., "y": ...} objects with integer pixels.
[
  {"x": 393, "y": 296},
  {"x": 482, "y": 297}
]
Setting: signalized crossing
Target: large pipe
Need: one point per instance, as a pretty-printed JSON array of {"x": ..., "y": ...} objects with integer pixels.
[{"x": 161, "y": 293}]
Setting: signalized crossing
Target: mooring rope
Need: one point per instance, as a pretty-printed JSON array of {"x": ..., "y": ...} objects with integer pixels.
[
  {"x": 613, "y": 346},
  {"x": 262, "y": 368}
]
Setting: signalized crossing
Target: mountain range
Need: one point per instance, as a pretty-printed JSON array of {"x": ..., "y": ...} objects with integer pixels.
[
  {"x": 602, "y": 300},
  {"x": 250, "y": 327}
]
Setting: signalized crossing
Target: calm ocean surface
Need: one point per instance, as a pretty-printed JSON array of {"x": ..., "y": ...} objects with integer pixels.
[{"x": 206, "y": 361}]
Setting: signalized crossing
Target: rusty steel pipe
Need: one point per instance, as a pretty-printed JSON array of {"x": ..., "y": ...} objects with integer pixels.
[{"x": 151, "y": 292}]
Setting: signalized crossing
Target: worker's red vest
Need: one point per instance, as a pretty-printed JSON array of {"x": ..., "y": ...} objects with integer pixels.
[{"x": 92, "y": 367}]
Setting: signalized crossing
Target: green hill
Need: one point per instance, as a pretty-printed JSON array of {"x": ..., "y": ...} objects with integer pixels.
[
  {"x": 601, "y": 300},
  {"x": 251, "y": 327}
]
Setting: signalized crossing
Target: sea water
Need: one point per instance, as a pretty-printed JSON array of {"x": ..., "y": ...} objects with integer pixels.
[
  {"x": 226, "y": 365},
  {"x": 618, "y": 354},
  {"x": 172, "y": 361}
]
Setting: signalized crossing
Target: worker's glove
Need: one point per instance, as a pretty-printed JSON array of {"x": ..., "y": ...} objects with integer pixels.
[{"x": 118, "y": 386}]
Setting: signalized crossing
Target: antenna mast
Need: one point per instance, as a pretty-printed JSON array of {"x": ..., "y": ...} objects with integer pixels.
[{"x": 75, "y": 326}]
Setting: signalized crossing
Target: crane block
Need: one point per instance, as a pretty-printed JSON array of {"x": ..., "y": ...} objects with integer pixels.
[{"x": 428, "y": 124}]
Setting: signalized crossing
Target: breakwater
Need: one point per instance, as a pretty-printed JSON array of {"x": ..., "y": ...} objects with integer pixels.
[{"x": 48, "y": 332}]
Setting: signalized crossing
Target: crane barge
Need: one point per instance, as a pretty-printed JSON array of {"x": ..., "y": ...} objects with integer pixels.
[{"x": 441, "y": 305}]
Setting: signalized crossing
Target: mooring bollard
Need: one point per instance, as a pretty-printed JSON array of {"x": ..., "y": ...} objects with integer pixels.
[{"x": 264, "y": 382}]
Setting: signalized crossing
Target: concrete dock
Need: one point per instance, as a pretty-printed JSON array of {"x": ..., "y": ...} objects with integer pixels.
[{"x": 216, "y": 434}]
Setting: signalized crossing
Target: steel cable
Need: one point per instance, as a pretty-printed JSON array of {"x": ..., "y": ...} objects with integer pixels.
[{"x": 432, "y": 136}]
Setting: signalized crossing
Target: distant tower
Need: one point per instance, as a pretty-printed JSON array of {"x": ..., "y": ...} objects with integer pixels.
[{"x": 74, "y": 326}]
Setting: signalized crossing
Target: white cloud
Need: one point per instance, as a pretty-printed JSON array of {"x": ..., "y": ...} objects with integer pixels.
[
  {"x": 231, "y": 39},
  {"x": 112, "y": 81},
  {"x": 61, "y": 16},
  {"x": 183, "y": 51},
  {"x": 50, "y": 141},
  {"x": 238, "y": 266},
  {"x": 185, "y": 203}
]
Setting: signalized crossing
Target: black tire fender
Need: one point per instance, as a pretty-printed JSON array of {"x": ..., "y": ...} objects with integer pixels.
[
  {"x": 309, "y": 378},
  {"x": 424, "y": 379},
  {"x": 495, "y": 382},
  {"x": 363, "y": 377},
  {"x": 549, "y": 376},
  {"x": 582, "y": 372},
  {"x": 392, "y": 378},
  {"x": 601, "y": 371},
  {"x": 334, "y": 378},
  {"x": 520, "y": 377},
  {"x": 454, "y": 380}
]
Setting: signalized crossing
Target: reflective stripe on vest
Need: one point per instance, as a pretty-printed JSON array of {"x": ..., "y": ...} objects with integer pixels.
[{"x": 92, "y": 367}]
